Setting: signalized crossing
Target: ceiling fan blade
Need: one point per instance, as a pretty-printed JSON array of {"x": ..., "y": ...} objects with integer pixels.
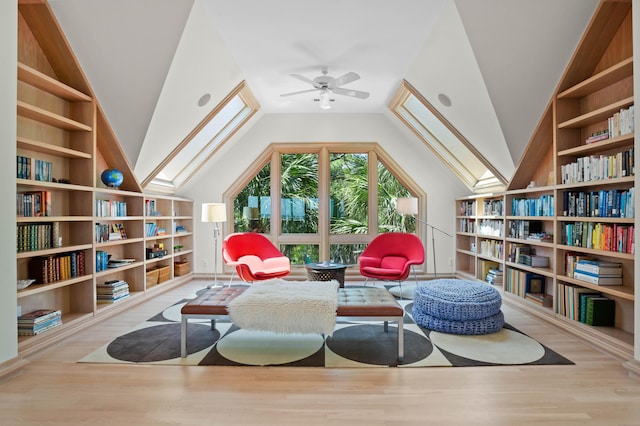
[
  {"x": 305, "y": 79},
  {"x": 302, "y": 91},
  {"x": 344, "y": 79},
  {"x": 349, "y": 92}
]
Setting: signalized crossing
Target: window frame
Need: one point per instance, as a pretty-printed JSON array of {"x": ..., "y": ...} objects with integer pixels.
[
  {"x": 477, "y": 184},
  {"x": 242, "y": 92},
  {"x": 323, "y": 238}
]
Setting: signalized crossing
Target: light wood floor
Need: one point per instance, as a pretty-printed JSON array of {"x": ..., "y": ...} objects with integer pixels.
[{"x": 54, "y": 389}]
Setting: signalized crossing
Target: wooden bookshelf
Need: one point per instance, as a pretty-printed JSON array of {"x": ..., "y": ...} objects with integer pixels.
[
  {"x": 597, "y": 84},
  {"x": 61, "y": 124}
]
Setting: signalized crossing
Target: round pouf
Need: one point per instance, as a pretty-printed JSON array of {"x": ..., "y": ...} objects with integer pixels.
[{"x": 458, "y": 307}]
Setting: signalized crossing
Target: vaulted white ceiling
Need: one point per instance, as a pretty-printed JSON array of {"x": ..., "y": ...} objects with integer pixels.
[{"x": 150, "y": 61}]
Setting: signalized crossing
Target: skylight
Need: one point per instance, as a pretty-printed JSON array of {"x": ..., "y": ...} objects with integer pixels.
[
  {"x": 445, "y": 141},
  {"x": 210, "y": 134}
]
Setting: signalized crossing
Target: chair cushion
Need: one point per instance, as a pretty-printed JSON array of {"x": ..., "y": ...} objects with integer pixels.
[
  {"x": 380, "y": 272},
  {"x": 393, "y": 262},
  {"x": 266, "y": 267}
]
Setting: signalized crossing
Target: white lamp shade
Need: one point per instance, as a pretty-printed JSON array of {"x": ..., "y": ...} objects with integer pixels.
[
  {"x": 214, "y": 212},
  {"x": 407, "y": 205}
]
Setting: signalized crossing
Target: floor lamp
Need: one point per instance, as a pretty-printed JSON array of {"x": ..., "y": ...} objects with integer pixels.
[
  {"x": 409, "y": 206},
  {"x": 216, "y": 213}
]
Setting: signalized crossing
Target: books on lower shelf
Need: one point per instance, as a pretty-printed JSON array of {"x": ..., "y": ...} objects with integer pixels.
[
  {"x": 38, "y": 321},
  {"x": 112, "y": 291},
  {"x": 541, "y": 299},
  {"x": 494, "y": 276},
  {"x": 585, "y": 305}
]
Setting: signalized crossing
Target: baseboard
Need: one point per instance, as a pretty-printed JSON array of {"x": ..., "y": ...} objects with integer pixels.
[
  {"x": 633, "y": 366},
  {"x": 12, "y": 368}
]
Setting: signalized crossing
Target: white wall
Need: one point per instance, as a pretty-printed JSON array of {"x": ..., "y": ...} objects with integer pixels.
[
  {"x": 441, "y": 186},
  {"x": 8, "y": 76}
]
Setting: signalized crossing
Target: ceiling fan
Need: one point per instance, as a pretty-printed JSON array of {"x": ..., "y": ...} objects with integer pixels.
[{"x": 327, "y": 85}]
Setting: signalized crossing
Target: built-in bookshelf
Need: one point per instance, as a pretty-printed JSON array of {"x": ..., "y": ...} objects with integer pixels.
[
  {"x": 571, "y": 198},
  {"x": 76, "y": 237}
]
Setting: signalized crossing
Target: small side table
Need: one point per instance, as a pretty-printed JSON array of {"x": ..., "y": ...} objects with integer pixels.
[{"x": 326, "y": 271}]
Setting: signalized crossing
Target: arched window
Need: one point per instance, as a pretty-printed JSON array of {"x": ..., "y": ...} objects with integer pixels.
[{"x": 322, "y": 201}]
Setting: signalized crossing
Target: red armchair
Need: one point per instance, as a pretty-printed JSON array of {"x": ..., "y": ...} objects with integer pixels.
[
  {"x": 254, "y": 256},
  {"x": 390, "y": 256}
]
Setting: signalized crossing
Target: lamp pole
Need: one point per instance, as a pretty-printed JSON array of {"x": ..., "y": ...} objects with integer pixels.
[{"x": 409, "y": 206}]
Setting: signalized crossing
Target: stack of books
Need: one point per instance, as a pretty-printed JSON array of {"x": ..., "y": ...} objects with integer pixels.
[
  {"x": 112, "y": 291},
  {"x": 598, "y": 272},
  {"x": 541, "y": 299},
  {"x": 494, "y": 277},
  {"x": 38, "y": 321}
]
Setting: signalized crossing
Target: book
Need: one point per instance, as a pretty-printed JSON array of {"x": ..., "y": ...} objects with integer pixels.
[
  {"x": 541, "y": 299},
  {"x": 594, "y": 279},
  {"x": 600, "y": 311},
  {"x": 39, "y": 315},
  {"x": 599, "y": 268}
]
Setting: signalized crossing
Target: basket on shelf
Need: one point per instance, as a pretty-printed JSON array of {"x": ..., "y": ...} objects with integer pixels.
[
  {"x": 152, "y": 277},
  {"x": 181, "y": 267},
  {"x": 164, "y": 274}
]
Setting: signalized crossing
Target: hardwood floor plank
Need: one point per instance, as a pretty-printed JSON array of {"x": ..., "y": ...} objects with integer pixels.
[{"x": 55, "y": 389}]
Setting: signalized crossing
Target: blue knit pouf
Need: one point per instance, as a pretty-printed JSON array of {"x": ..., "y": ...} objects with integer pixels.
[
  {"x": 456, "y": 300},
  {"x": 488, "y": 325},
  {"x": 457, "y": 307}
]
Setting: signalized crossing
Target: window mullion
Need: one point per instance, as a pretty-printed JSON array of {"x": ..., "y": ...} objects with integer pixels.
[
  {"x": 324, "y": 177},
  {"x": 373, "y": 193},
  {"x": 276, "y": 191}
]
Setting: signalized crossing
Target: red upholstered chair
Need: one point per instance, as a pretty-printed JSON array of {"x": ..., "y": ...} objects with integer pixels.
[
  {"x": 390, "y": 256},
  {"x": 254, "y": 256}
]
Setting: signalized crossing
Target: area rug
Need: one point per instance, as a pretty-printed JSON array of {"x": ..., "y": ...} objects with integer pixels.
[{"x": 353, "y": 344}]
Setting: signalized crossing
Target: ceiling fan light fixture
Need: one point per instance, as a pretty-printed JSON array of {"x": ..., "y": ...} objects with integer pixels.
[{"x": 325, "y": 102}]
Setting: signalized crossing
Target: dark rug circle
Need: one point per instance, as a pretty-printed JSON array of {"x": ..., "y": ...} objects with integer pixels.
[
  {"x": 161, "y": 342},
  {"x": 370, "y": 344}
]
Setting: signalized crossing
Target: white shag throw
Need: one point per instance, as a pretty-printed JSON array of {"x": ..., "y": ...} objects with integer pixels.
[{"x": 305, "y": 307}]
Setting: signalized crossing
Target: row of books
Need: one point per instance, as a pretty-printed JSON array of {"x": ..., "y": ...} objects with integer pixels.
[
  {"x": 490, "y": 227},
  {"x": 598, "y": 167},
  {"x": 467, "y": 208},
  {"x": 521, "y": 229},
  {"x": 112, "y": 291},
  {"x": 597, "y": 137},
  {"x": 521, "y": 282},
  {"x": 585, "y": 305},
  {"x": 110, "y": 232},
  {"x": 38, "y": 321},
  {"x": 493, "y": 208},
  {"x": 110, "y": 208},
  {"x": 34, "y": 236},
  {"x": 152, "y": 229},
  {"x": 150, "y": 208},
  {"x": 599, "y": 236},
  {"x": 33, "y": 168},
  {"x": 491, "y": 248},
  {"x": 48, "y": 269},
  {"x": 467, "y": 225},
  {"x": 602, "y": 203},
  {"x": 33, "y": 204},
  {"x": 621, "y": 123},
  {"x": 542, "y": 206}
]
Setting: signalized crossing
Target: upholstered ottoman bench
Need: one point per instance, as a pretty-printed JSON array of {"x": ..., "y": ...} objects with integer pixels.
[
  {"x": 458, "y": 307},
  {"x": 354, "y": 304}
]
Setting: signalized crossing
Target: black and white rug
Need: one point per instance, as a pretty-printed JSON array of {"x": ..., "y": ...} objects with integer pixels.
[{"x": 353, "y": 344}]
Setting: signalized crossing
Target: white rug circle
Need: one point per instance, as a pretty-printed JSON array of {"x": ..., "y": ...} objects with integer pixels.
[
  {"x": 407, "y": 291},
  {"x": 267, "y": 348},
  {"x": 503, "y": 347}
]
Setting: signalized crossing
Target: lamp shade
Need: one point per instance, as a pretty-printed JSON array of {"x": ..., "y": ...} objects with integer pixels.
[
  {"x": 407, "y": 205},
  {"x": 214, "y": 212}
]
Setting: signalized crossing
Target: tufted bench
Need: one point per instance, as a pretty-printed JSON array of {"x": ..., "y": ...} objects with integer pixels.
[{"x": 354, "y": 304}]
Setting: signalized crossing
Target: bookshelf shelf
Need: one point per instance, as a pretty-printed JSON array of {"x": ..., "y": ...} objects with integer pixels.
[
  {"x": 40, "y": 288},
  {"x": 46, "y": 117}
]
